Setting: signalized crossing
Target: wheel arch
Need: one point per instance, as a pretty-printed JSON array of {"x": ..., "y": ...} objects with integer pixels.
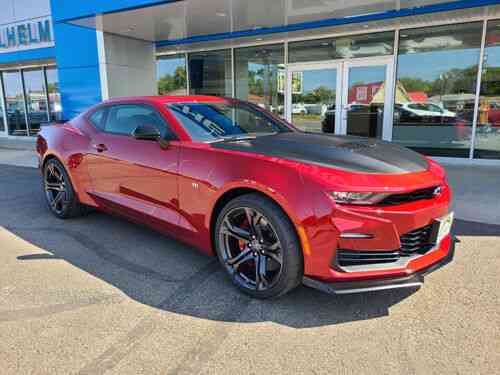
[
  {"x": 237, "y": 191},
  {"x": 47, "y": 157},
  {"x": 69, "y": 163}
]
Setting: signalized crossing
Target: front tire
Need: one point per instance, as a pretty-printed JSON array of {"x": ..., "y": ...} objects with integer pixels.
[
  {"x": 258, "y": 247},
  {"x": 59, "y": 192}
]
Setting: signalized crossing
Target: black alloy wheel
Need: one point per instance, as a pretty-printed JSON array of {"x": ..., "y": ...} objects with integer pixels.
[
  {"x": 59, "y": 192},
  {"x": 258, "y": 247},
  {"x": 252, "y": 250},
  {"x": 55, "y": 188}
]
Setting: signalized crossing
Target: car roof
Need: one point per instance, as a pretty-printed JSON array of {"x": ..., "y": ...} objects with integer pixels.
[{"x": 163, "y": 99}]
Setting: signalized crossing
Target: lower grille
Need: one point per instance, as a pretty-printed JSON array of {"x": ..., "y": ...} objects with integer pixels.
[
  {"x": 357, "y": 258},
  {"x": 415, "y": 242}
]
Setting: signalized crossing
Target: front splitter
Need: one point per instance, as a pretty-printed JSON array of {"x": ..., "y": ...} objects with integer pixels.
[{"x": 415, "y": 280}]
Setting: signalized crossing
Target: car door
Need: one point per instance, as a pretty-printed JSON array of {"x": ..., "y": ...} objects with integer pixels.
[{"x": 136, "y": 177}]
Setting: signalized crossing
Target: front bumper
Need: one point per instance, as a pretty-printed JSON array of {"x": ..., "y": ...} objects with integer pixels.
[{"x": 412, "y": 280}]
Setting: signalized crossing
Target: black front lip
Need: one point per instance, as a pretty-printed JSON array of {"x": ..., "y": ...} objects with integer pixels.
[{"x": 414, "y": 280}]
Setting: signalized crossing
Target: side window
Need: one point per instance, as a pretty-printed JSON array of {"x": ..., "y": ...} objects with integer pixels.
[
  {"x": 125, "y": 118},
  {"x": 97, "y": 118}
]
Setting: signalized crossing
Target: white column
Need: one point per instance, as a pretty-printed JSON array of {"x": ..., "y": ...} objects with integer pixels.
[
  {"x": 478, "y": 90},
  {"x": 127, "y": 66},
  {"x": 103, "y": 72},
  {"x": 3, "y": 108}
]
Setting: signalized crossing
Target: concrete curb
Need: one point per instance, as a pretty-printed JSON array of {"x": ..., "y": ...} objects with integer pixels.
[{"x": 25, "y": 144}]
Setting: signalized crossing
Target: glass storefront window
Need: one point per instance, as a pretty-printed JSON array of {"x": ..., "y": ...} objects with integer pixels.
[
  {"x": 260, "y": 76},
  {"x": 36, "y": 99},
  {"x": 55, "y": 106},
  {"x": 487, "y": 144},
  {"x": 365, "y": 100},
  {"x": 36, "y": 90},
  {"x": 435, "y": 89},
  {"x": 210, "y": 73},
  {"x": 378, "y": 44},
  {"x": 14, "y": 101},
  {"x": 314, "y": 92},
  {"x": 171, "y": 75}
]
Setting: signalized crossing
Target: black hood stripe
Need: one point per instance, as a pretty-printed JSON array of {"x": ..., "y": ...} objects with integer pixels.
[{"x": 354, "y": 154}]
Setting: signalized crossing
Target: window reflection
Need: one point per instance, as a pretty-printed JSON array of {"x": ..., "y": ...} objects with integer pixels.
[
  {"x": 487, "y": 143},
  {"x": 36, "y": 99},
  {"x": 377, "y": 44},
  {"x": 313, "y": 100},
  {"x": 210, "y": 73},
  {"x": 14, "y": 101},
  {"x": 365, "y": 101},
  {"x": 171, "y": 75},
  {"x": 260, "y": 76},
  {"x": 55, "y": 106},
  {"x": 435, "y": 90},
  {"x": 2, "y": 124},
  {"x": 40, "y": 96}
]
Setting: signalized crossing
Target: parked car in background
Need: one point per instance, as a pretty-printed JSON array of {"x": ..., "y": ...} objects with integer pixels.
[
  {"x": 299, "y": 109},
  {"x": 494, "y": 114},
  {"x": 328, "y": 121},
  {"x": 425, "y": 112}
]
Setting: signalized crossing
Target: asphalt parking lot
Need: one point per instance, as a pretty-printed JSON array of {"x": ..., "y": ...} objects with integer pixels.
[{"x": 100, "y": 295}]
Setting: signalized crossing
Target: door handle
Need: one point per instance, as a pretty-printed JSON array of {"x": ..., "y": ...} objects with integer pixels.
[{"x": 100, "y": 147}]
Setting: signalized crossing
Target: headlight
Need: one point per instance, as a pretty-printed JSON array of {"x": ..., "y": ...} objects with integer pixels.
[{"x": 346, "y": 197}]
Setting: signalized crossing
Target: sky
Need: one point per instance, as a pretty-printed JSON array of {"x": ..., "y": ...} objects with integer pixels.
[
  {"x": 327, "y": 77},
  {"x": 429, "y": 65}
]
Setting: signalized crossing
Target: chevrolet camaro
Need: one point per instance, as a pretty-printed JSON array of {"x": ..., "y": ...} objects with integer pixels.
[{"x": 276, "y": 205}]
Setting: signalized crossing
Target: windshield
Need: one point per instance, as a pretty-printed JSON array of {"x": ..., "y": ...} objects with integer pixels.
[{"x": 208, "y": 122}]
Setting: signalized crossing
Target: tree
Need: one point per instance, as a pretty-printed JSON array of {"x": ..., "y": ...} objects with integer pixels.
[
  {"x": 491, "y": 82},
  {"x": 52, "y": 87},
  {"x": 321, "y": 94},
  {"x": 453, "y": 81},
  {"x": 415, "y": 84},
  {"x": 168, "y": 82}
]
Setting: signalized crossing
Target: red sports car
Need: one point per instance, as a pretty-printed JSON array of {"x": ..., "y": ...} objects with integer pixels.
[{"x": 278, "y": 206}]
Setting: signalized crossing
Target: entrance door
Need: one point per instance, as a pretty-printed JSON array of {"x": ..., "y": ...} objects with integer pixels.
[
  {"x": 367, "y": 98},
  {"x": 347, "y": 97},
  {"x": 313, "y": 99}
]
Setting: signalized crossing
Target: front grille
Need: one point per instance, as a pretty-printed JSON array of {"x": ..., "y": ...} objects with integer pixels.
[
  {"x": 421, "y": 194},
  {"x": 415, "y": 242}
]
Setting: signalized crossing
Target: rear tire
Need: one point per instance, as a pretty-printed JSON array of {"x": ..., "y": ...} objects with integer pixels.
[
  {"x": 258, "y": 247},
  {"x": 59, "y": 192}
]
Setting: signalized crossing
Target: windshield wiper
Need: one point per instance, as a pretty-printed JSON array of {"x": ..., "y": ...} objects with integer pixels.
[
  {"x": 237, "y": 138},
  {"x": 241, "y": 137}
]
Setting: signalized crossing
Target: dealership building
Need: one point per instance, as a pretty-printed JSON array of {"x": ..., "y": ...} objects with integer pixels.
[{"x": 423, "y": 73}]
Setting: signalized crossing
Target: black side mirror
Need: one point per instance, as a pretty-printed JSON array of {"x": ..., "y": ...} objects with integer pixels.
[{"x": 147, "y": 132}]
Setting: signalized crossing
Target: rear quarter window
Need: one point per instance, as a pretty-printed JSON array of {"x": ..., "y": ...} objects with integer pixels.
[{"x": 97, "y": 118}]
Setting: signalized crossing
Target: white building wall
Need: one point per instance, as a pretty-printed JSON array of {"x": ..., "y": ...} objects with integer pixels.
[
  {"x": 19, "y": 10},
  {"x": 127, "y": 66}
]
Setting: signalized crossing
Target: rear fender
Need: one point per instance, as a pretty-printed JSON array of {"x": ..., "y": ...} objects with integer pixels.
[{"x": 69, "y": 145}]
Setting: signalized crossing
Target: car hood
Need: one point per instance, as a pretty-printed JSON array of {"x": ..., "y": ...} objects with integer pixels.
[{"x": 354, "y": 154}]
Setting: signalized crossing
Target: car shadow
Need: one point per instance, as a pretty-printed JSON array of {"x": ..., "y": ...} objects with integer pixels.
[
  {"x": 195, "y": 285},
  {"x": 167, "y": 275}
]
